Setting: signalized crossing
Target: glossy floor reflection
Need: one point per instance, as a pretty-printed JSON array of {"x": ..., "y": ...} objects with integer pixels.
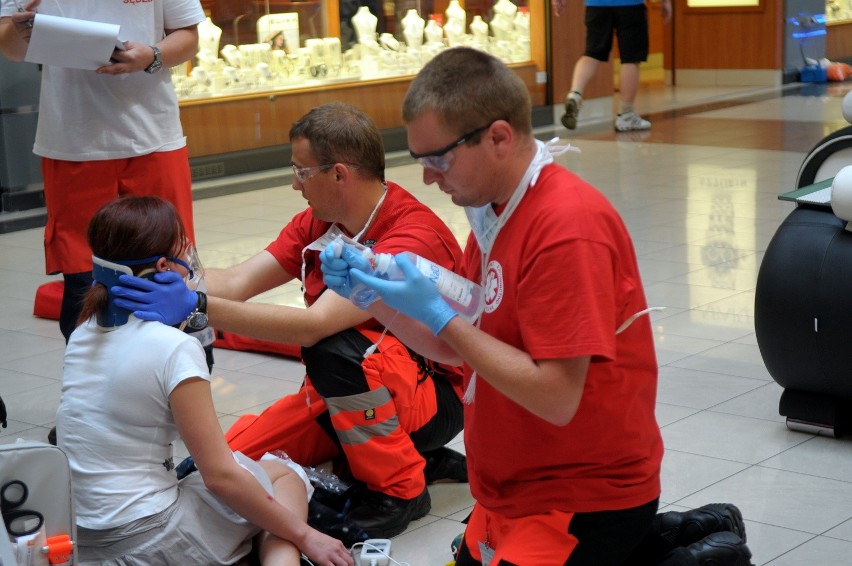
[{"x": 699, "y": 195}]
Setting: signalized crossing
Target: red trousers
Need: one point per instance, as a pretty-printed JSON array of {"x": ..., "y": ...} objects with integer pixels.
[{"x": 75, "y": 190}]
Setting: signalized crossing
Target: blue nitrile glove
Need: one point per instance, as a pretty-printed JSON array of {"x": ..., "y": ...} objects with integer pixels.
[
  {"x": 166, "y": 299},
  {"x": 335, "y": 269},
  {"x": 415, "y": 297}
]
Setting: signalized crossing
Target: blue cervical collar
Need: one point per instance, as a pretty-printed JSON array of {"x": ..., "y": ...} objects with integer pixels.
[{"x": 107, "y": 273}]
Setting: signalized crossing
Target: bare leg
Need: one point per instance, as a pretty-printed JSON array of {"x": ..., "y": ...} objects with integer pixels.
[
  {"x": 584, "y": 70},
  {"x": 290, "y": 492},
  {"x": 629, "y": 77}
]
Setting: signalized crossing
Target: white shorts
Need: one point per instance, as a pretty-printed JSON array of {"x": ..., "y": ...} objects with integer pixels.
[{"x": 196, "y": 529}]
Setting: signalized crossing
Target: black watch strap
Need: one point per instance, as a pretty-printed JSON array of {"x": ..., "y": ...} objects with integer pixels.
[{"x": 201, "y": 305}]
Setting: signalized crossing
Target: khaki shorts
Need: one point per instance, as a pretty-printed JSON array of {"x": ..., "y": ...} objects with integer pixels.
[{"x": 196, "y": 529}]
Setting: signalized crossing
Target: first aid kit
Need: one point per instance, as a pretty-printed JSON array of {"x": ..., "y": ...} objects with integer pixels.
[{"x": 37, "y": 506}]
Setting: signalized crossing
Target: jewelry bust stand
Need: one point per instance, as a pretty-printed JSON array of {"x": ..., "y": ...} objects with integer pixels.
[
  {"x": 479, "y": 31},
  {"x": 456, "y": 21},
  {"x": 503, "y": 22},
  {"x": 209, "y": 35},
  {"x": 365, "y": 24},
  {"x": 412, "y": 29},
  {"x": 434, "y": 32}
]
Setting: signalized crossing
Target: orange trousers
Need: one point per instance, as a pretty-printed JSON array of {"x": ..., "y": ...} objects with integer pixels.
[{"x": 379, "y": 412}]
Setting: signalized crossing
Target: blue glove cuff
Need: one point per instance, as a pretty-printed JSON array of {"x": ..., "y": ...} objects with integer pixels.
[{"x": 440, "y": 316}]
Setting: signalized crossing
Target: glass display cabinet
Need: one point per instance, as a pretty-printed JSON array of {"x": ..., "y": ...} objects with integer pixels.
[{"x": 261, "y": 64}]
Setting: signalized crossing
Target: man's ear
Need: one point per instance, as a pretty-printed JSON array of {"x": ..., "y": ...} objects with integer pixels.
[
  {"x": 501, "y": 135},
  {"x": 341, "y": 171}
]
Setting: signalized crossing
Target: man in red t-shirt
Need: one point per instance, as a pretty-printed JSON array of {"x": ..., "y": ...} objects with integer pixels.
[
  {"x": 563, "y": 447},
  {"x": 388, "y": 414}
]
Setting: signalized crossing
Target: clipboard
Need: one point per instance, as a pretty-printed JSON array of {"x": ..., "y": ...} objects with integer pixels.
[{"x": 72, "y": 43}]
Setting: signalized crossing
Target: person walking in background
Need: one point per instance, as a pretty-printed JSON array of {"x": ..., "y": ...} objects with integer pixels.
[
  {"x": 109, "y": 132},
  {"x": 628, "y": 20}
]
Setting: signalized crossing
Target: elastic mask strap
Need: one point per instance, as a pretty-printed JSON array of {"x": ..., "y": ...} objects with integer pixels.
[{"x": 626, "y": 324}]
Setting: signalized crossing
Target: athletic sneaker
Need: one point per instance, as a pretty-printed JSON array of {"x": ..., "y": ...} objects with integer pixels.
[
  {"x": 455, "y": 546},
  {"x": 573, "y": 103},
  {"x": 629, "y": 121},
  {"x": 682, "y": 528}
]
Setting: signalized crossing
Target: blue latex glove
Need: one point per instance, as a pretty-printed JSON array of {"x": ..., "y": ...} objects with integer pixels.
[
  {"x": 335, "y": 269},
  {"x": 416, "y": 297},
  {"x": 166, "y": 299}
]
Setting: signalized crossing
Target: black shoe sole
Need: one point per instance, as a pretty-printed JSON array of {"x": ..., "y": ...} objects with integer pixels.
[
  {"x": 723, "y": 547},
  {"x": 424, "y": 505}
]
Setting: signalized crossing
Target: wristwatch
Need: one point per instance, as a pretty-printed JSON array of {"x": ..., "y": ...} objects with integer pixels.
[
  {"x": 158, "y": 62},
  {"x": 197, "y": 319}
]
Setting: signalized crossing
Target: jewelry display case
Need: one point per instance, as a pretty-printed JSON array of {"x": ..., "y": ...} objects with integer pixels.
[
  {"x": 262, "y": 64},
  {"x": 838, "y": 11},
  {"x": 838, "y": 28}
]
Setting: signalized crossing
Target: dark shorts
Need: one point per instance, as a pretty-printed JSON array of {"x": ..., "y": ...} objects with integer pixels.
[{"x": 630, "y": 25}]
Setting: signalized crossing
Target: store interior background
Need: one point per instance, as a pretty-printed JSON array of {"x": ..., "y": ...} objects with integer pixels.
[
  {"x": 793, "y": 488},
  {"x": 239, "y": 143}
]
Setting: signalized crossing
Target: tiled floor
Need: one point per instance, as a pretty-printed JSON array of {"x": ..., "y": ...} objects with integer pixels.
[{"x": 698, "y": 193}]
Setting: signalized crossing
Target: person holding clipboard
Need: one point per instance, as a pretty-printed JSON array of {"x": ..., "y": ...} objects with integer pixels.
[{"x": 106, "y": 132}]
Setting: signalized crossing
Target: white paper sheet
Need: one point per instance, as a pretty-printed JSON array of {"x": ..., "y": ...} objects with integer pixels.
[{"x": 67, "y": 42}]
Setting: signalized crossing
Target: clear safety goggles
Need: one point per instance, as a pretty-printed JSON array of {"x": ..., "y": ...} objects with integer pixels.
[
  {"x": 442, "y": 159},
  {"x": 304, "y": 174},
  {"x": 189, "y": 261}
]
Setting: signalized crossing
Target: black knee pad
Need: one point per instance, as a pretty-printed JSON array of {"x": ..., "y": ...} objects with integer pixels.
[{"x": 334, "y": 364}]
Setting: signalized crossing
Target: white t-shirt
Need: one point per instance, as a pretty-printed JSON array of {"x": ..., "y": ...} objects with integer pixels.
[
  {"x": 84, "y": 116},
  {"x": 114, "y": 419}
]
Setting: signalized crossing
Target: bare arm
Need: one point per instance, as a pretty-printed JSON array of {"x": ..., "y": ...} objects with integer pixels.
[
  {"x": 550, "y": 389},
  {"x": 281, "y": 323},
  {"x": 415, "y": 335},
  {"x": 666, "y": 11},
  {"x": 178, "y": 46},
  {"x": 192, "y": 406},
  {"x": 228, "y": 288},
  {"x": 15, "y": 31}
]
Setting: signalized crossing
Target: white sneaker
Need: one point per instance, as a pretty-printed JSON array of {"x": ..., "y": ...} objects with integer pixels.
[
  {"x": 629, "y": 121},
  {"x": 573, "y": 102}
]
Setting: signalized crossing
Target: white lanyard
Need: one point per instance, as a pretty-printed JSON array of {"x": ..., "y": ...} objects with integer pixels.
[
  {"x": 486, "y": 224},
  {"x": 334, "y": 232}
]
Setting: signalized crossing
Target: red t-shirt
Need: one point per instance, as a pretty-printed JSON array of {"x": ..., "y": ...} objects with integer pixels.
[
  {"x": 402, "y": 224},
  {"x": 562, "y": 278}
]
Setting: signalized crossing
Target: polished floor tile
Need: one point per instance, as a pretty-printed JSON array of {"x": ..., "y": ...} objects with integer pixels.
[{"x": 698, "y": 193}]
